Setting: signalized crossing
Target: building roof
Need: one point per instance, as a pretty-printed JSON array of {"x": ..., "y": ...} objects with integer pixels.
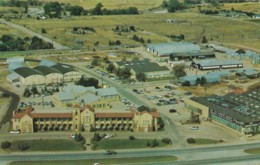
[
  {"x": 243, "y": 108},
  {"x": 194, "y": 54},
  {"x": 62, "y": 68},
  {"x": 247, "y": 72},
  {"x": 14, "y": 65},
  {"x": 142, "y": 66},
  {"x": 173, "y": 47},
  {"x": 115, "y": 115},
  {"x": 13, "y": 76},
  {"x": 216, "y": 62},
  {"x": 107, "y": 91},
  {"x": 143, "y": 108},
  {"x": 14, "y": 60},
  {"x": 221, "y": 73},
  {"x": 45, "y": 70},
  {"x": 51, "y": 115},
  {"x": 26, "y": 72},
  {"x": 47, "y": 63}
]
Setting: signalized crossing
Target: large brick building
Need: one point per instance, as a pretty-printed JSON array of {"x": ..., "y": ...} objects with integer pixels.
[{"x": 83, "y": 118}]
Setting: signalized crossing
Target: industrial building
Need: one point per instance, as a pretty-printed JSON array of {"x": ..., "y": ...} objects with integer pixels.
[
  {"x": 219, "y": 64},
  {"x": 240, "y": 112},
  {"x": 47, "y": 72},
  {"x": 150, "y": 69},
  {"x": 165, "y": 49}
]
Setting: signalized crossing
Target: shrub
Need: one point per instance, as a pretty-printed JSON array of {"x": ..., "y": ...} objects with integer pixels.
[
  {"x": 167, "y": 140},
  {"x": 5, "y": 144},
  {"x": 148, "y": 144},
  {"x": 191, "y": 140},
  {"x": 131, "y": 137}
]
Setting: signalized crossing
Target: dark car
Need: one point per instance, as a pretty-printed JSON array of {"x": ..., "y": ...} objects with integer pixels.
[
  {"x": 172, "y": 110},
  {"x": 111, "y": 152}
]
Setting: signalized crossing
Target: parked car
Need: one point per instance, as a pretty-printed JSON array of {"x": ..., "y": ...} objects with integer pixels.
[
  {"x": 111, "y": 152},
  {"x": 172, "y": 110},
  {"x": 194, "y": 128}
]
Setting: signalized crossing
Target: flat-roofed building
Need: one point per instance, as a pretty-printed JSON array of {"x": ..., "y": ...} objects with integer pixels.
[
  {"x": 165, "y": 49},
  {"x": 219, "y": 64},
  {"x": 29, "y": 76},
  {"x": 240, "y": 112}
]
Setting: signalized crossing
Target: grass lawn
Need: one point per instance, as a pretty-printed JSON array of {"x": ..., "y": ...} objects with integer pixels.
[
  {"x": 158, "y": 159},
  {"x": 48, "y": 145},
  {"x": 201, "y": 141},
  {"x": 149, "y": 26},
  {"x": 252, "y": 151},
  {"x": 125, "y": 143}
]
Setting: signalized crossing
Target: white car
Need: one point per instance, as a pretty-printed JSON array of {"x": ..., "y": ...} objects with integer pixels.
[
  {"x": 15, "y": 132},
  {"x": 108, "y": 136}
]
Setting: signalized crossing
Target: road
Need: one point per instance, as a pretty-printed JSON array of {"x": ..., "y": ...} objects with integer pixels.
[
  {"x": 205, "y": 155},
  {"x": 32, "y": 33}
]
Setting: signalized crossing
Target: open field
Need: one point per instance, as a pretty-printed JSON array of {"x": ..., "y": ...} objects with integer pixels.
[
  {"x": 153, "y": 26},
  {"x": 47, "y": 145},
  {"x": 113, "y": 4},
  {"x": 114, "y": 161},
  {"x": 125, "y": 143},
  {"x": 252, "y": 151},
  {"x": 249, "y": 6}
]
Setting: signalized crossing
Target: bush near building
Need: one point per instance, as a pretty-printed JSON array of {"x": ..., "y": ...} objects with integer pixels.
[{"x": 5, "y": 144}]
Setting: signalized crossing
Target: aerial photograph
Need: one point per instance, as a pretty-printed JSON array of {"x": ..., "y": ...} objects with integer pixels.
[{"x": 130, "y": 82}]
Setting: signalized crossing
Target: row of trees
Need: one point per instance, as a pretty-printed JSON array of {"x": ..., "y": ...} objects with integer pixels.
[
  {"x": 86, "y": 82},
  {"x": 56, "y": 10},
  {"x": 11, "y": 43}
]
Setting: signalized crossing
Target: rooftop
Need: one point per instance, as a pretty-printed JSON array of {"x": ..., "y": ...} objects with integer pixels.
[
  {"x": 243, "y": 108},
  {"x": 45, "y": 70},
  {"x": 47, "y": 63},
  {"x": 142, "y": 66},
  {"x": 62, "y": 68},
  {"x": 215, "y": 62},
  {"x": 26, "y": 72}
]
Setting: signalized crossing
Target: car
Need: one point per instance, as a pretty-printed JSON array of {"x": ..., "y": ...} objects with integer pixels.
[
  {"x": 111, "y": 152},
  {"x": 72, "y": 136},
  {"x": 108, "y": 136},
  {"x": 14, "y": 132},
  {"x": 194, "y": 128},
  {"x": 172, "y": 110}
]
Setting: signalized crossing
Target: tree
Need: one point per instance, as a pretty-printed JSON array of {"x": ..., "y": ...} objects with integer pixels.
[
  {"x": 5, "y": 144},
  {"x": 191, "y": 140},
  {"x": 141, "y": 76},
  {"x": 53, "y": 9},
  {"x": 44, "y": 31},
  {"x": 167, "y": 140},
  {"x": 185, "y": 83},
  {"x": 148, "y": 144},
  {"x": 160, "y": 123},
  {"x": 204, "y": 40},
  {"x": 164, "y": 4},
  {"x": 97, "y": 10},
  {"x": 171, "y": 57},
  {"x": 95, "y": 62},
  {"x": 87, "y": 82},
  {"x": 111, "y": 68},
  {"x": 198, "y": 81},
  {"x": 96, "y": 137},
  {"x": 132, "y": 28},
  {"x": 34, "y": 90},
  {"x": 174, "y": 5},
  {"x": 26, "y": 92},
  {"x": 179, "y": 71},
  {"x": 203, "y": 81},
  {"x": 131, "y": 137}
]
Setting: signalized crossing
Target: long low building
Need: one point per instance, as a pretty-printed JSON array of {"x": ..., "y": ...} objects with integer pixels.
[
  {"x": 219, "y": 64},
  {"x": 240, "y": 112},
  {"x": 44, "y": 75},
  {"x": 83, "y": 119}
]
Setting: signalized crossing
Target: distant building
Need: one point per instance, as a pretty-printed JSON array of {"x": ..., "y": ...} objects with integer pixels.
[
  {"x": 249, "y": 73},
  {"x": 240, "y": 112},
  {"x": 96, "y": 98},
  {"x": 46, "y": 73},
  {"x": 14, "y": 60},
  {"x": 256, "y": 16},
  {"x": 150, "y": 69},
  {"x": 219, "y": 64},
  {"x": 85, "y": 118},
  {"x": 165, "y": 49},
  {"x": 193, "y": 55}
]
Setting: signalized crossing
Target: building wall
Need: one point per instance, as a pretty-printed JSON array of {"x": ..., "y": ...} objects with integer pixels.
[
  {"x": 53, "y": 78},
  {"x": 25, "y": 124},
  {"x": 32, "y": 80},
  {"x": 144, "y": 123},
  {"x": 197, "y": 108},
  {"x": 72, "y": 76},
  {"x": 115, "y": 123}
]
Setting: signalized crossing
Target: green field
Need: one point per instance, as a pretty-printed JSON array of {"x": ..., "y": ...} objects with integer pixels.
[
  {"x": 252, "y": 151},
  {"x": 113, "y": 4},
  {"x": 47, "y": 145},
  {"x": 159, "y": 159},
  {"x": 150, "y": 26},
  {"x": 125, "y": 143}
]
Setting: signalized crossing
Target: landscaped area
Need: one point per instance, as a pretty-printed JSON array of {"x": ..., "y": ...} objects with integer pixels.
[
  {"x": 252, "y": 151},
  {"x": 159, "y": 159},
  {"x": 46, "y": 145},
  {"x": 202, "y": 141},
  {"x": 127, "y": 144}
]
